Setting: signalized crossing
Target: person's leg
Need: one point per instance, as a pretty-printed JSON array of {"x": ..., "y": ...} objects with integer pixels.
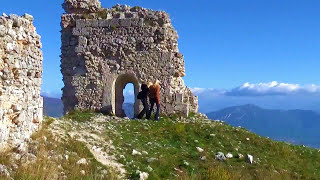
[
  {"x": 158, "y": 112},
  {"x": 145, "y": 109},
  {"x": 151, "y": 109}
]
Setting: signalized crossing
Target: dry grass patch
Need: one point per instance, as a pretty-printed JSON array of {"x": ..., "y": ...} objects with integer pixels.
[{"x": 57, "y": 159}]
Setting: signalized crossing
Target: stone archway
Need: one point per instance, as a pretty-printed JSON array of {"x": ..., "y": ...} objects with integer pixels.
[{"x": 119, "y": 86}]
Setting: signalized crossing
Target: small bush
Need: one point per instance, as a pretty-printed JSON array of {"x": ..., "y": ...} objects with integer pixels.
[
  {"x": 103, "y": 14},
  {"x": 85, "y": 16}
]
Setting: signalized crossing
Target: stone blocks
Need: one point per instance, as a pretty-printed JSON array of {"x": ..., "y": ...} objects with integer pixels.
[
  {"x": 21, "y": 105},
  {"x": 116, "y": 46}
]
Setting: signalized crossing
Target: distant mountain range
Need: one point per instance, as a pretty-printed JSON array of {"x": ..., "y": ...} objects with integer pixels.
[
  {"x": 128, "y": 109},
  {"x": 52, "y": 107},
  {"x": 295, "y": 126}
]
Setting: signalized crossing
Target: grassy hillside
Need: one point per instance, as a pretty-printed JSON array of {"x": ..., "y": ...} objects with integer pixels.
[
  {"x": 173, "y": 143},
  {"x": 168, "y": 150}
]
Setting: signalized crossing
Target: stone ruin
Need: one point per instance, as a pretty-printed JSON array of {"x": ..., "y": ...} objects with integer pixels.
[
  {"x": 21, "y": 106},
  {"x": 105, "y": 49}
]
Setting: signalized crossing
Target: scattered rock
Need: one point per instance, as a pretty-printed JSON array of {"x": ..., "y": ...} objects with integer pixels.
[
  {"x": 142, "y": 175},
  {"x": 229, "y": 156},
  {"x": 83, "y": 172},
  {"x": 82, "y": 161},
  {"x": 249, "y": 158},
  {"x": 178, "y": 170},
  {"x": 220, "y": 156},
  {"x": 203, "y": 158},
  {"x": 135, "y": 152},
  {"x": 4, "y": 171},
  {"x": 200, "y": 149},
  {"x": 240, "y": 156},
  {"x": 144, "y": 152}
]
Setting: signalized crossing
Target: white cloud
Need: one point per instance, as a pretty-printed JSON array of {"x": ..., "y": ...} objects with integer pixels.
[
  {"x": 207, "y": 91},
  {"x": 262, "y": 89},
  {"x": 273, "y": 88},
  {"x": 51, "y": 94}
]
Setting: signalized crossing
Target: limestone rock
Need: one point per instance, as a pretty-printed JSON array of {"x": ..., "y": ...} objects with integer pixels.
[
  {"x": 249, "y": 158},
  {"x": 240, "y": 156},
  {"x": 20, "y": 80},
  {"x": 229, "y": 156},
  {"x": 203, "y": 158},
  {"x": 142, "y": 175},
  {"x": 199, "y": 149},
  {"x": 135, "y": 152},
  {"x": 220, "y": 156},
  {"x": 4, "y": 171},
  {"x": 82, "y": 161}
]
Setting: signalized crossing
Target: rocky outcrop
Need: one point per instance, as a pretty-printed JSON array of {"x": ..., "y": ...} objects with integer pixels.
[
  {"x": 104, "y": 49},
  {"x": 81, "y": 6},
  {"x": 20, "y": 78}
]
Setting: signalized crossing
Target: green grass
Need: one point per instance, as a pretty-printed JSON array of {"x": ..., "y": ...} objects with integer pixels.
[
  {"x": 80, "y": 116},
  {"x": 173, "y": 143}
]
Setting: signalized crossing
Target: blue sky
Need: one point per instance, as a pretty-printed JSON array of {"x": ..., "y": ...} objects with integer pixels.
[{"x": 226, "y": 43}]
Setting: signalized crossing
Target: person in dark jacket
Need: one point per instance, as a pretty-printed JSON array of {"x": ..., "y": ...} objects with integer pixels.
[
  {"x": 154, "y": 98},
  {"x": 143, "y": 96}
]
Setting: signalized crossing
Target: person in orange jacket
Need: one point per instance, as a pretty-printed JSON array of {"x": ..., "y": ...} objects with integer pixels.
[{"x": 154, "y": 98}]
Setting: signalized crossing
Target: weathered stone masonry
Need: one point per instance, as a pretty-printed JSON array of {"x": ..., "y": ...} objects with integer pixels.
[
  {"x": 21, "y": 106},
  {"x": 104, "y": 49}
]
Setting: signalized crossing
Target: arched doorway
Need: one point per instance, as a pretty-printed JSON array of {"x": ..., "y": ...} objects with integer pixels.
[
  {"x": 119, "y": 86},
  {"x": 129, "y": 98}
]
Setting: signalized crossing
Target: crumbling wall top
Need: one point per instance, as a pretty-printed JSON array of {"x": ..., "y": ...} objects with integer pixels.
[{"x": 81, "y": 6}]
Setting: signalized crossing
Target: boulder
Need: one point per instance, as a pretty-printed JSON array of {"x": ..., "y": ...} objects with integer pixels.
[
  {"x": 249, "y": 158},
  {"x": 220, "y": 156},
  {"x": 240, "y": 156},
  {"x": 199, "y": 149},
  {"x": 229, "y": 156},
  {"x": 135, "y": 152}
]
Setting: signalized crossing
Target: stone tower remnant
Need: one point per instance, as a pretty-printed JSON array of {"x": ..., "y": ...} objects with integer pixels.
[
  {"x": 105, "y": 49},
  {"x": 21, "y": 105}
]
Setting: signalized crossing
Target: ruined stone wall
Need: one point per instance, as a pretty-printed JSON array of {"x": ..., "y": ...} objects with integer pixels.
[
  {"x": 20, "y": 78},
  {"x": 104, "y": 49}
]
